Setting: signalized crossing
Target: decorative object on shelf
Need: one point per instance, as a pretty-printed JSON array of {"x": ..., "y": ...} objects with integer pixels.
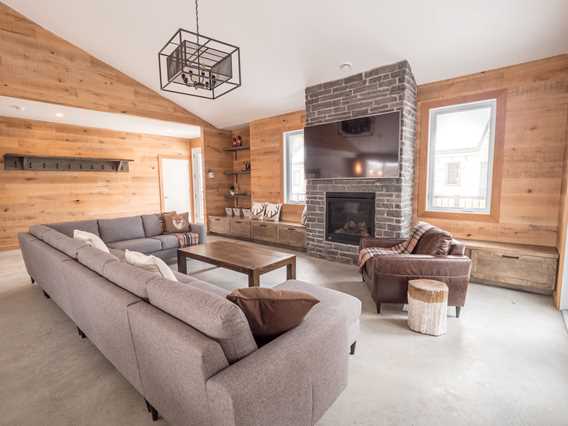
[
  {"x": 64, "y": 164},
  {"x": 211, "y": 174},
  {"x": 236, "y": 212},
  {"x": 246, "y": 166},
  {"x": 196, "y": 65},
  {"x": 246, "y": 213},
  {"x": 232, "y": 190},
  {"x": 229, "y": 211}
]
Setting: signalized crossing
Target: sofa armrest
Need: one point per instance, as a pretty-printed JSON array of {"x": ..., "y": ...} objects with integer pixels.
[
  {"x": 200, "y": 229},
  {"x": 379, "y": 242},
  {"x": 423, "y": 266},
  {"x": 289, "y": 381},
  {"x": 457, "y": 248}
]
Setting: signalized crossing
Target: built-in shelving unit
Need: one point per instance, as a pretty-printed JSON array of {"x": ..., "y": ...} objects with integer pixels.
[
  {"x": 232, "y": 173},
  {"x": 237, "y": 195}
]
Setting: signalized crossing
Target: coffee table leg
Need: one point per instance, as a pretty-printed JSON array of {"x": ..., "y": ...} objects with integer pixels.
[
  {"x": 291, "y": 270},
  {"x": 254, "y": 279},
  {"x": 182, "y": 263}
]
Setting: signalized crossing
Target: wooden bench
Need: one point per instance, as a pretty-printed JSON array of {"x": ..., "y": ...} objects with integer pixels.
[{"x": 523, "y": 267}]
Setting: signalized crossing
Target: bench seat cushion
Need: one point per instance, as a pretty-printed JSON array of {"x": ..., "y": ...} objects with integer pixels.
[{"x": 143, "y": 245}]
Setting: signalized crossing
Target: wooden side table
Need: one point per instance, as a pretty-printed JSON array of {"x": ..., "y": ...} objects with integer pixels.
[{"x": 428, "y": 306}]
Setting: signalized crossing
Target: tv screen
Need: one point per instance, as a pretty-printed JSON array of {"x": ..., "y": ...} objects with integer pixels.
[{"x": 365, "y": 147}]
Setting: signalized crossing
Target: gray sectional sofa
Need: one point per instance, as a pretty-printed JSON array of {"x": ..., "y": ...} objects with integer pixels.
[
  {"x": 184, "y": 347},
  {"x": 138, "y": 233}
]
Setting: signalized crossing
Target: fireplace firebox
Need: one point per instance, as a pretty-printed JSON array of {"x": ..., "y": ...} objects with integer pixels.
[{"x": 350, "y": 216}]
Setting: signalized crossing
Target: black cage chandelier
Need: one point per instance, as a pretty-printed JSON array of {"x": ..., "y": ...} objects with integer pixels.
[{"x": 193, "y": 64}]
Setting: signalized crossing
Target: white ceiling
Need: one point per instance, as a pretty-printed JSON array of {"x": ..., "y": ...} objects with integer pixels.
[
  {"x": 43, "y": 111},
  {"x": 287, "y": 45}
]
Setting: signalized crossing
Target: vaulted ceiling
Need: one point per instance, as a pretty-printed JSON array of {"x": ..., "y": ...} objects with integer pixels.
[{"x": 288, "y": 45}]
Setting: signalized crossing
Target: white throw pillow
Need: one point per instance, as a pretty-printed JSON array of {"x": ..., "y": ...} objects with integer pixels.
[
  {"x": 91, "y": 239},
  {"x": 257, "y": 210},
  {"x": 149, "y": 263}
]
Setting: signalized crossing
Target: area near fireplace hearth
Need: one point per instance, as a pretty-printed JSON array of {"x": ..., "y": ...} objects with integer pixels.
[{"x": 382, "y": 90}]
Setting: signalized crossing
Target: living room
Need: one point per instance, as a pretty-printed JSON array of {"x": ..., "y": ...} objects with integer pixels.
[{"x": 316, "y": 213}]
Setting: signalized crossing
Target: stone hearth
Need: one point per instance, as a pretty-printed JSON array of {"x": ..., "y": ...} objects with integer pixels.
[{"x": 381, "y": 90}]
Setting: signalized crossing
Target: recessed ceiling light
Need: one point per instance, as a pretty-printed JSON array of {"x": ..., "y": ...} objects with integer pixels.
[
  {"x": 345, "y": 66},
  {"x": 59, "y": 114}
]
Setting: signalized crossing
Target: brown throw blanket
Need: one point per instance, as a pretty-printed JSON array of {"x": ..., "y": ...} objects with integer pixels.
[
  {"x": 406, "y": 247},
  {"x": 186, "y": 239}
]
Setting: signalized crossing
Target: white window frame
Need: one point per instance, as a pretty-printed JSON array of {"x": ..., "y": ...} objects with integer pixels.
[
  {"x": 285, "y": 171},
  {"x": 433, "y": 113}
]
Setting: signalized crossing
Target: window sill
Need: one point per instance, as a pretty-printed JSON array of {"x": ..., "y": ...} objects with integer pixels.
[{"x": 463, "y": 216}]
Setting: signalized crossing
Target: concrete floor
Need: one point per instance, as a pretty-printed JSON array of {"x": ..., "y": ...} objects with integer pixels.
[{"x": 504, "y": 362}]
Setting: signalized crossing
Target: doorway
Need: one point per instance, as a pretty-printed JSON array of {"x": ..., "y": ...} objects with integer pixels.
[
  {"x": 197, "y": 176},
  {"x": 174, "y": 185}
]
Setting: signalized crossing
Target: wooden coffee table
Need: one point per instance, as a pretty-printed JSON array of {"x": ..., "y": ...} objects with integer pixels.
[{"x": 239, "y": 257}]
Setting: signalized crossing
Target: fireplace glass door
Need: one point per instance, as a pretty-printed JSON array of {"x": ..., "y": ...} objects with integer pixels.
[{"x": 350, "y": 216}]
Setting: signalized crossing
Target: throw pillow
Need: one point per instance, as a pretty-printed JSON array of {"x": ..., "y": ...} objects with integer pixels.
[
  {"x": 272, "y": 312},
  {"x": 177, "y": 222},
  {"x": 163, "y": 221},
  {"x": 257, "y": 210},
  {"x": 91, "y": 239},
  {"x": 272, "y": 212},
  {"x": 149, "y": 263},
  {"x": 435, "y": 242}
]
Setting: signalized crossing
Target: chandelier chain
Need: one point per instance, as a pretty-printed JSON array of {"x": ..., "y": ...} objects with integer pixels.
[{"x": 197, "y": 15}]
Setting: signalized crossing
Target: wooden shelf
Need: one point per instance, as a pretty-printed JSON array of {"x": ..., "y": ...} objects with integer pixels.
[
  {"x": 242, "y": 194},
  {"x": 64, "y": 164},
  {"x": 231, "y": 173},
  {"x": 237, "y": 148}
]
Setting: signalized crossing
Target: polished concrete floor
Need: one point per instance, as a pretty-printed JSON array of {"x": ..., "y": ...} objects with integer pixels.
[{"x": 504, "y": 362}]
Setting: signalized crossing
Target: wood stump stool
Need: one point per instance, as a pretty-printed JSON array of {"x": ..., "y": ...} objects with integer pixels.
[{"x": 427, "y": 306}]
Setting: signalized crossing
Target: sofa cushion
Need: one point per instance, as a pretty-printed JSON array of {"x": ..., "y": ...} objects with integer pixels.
[
  {"x": 123, "y": 228},
  {"x": 149, "y": 263},
  {"x": 435, "y": 242},
  {"x": 208, "y": 313},
  {"x": 95, "y": 259},
  {"x": 152, "y": 224},
  {"x": 129, "y": 277},
  {"x": 271, "y": 312},
  {"x": 202, "y": 285},
  {"x": 143, "y": 245},
  {"x": 67, "y": 228},
  {"x": 57, "y": 240},
  {"x": 168, "y": 241},
  {"x": 177, "y": 222},
  {"x": 91, "y": 239},
  {"x": 343, "y": 303}
]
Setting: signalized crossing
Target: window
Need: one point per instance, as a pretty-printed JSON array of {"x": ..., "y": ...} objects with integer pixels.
[
  {"x": 453, "y": 173},
  {"x": 461, "y": 152},
  {"x": 294, "y": 180}
]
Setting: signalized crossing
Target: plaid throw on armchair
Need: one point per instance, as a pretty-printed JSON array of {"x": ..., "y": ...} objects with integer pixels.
[
  {"x": 406, "y": 247},
  {"x": 186, "y": 239}
]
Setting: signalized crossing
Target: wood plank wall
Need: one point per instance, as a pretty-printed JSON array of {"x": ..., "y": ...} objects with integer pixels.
[
  {"x": 38, "y": 65},
  {"x": 535, "y": 141},
  {"x": 28, "y": 198},
  {"x": 267, "y": 160},
  {"x": 216, "y": 160}
]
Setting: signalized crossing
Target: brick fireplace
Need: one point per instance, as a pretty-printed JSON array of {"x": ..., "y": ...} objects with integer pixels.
[{"x": 385, "y": 89}]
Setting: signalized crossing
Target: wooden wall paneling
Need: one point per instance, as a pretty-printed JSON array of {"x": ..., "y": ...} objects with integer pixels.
[
  {"x": 217, "y": 161},
  {"x": 534, "y": 144},
  {"x": 27, "y": 198},
  {"x": 267, "y": 157},
  {"x": 40, "y": 66}
]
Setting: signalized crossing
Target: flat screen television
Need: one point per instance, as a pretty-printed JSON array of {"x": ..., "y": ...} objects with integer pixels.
[{"x": 365, "y": 147}]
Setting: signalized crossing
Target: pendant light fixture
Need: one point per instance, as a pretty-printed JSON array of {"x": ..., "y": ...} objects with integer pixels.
[{"x": 196, "y": 65}]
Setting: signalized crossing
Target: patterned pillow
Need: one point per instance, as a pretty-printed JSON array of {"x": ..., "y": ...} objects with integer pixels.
[
  {"x": 163, "y": 222},
  {"x": 257, "y": 210},
  {"x": 272, "y": 212},
  {"x": 177, "y": 223}
]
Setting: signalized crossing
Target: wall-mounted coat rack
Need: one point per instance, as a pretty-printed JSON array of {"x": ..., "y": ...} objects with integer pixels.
[{"x": 64, "y": 164}]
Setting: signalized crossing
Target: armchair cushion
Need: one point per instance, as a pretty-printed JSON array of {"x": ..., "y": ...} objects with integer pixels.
[
  {"x": 423, "y": 266},
  {"x": 435, "y": 242}
]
